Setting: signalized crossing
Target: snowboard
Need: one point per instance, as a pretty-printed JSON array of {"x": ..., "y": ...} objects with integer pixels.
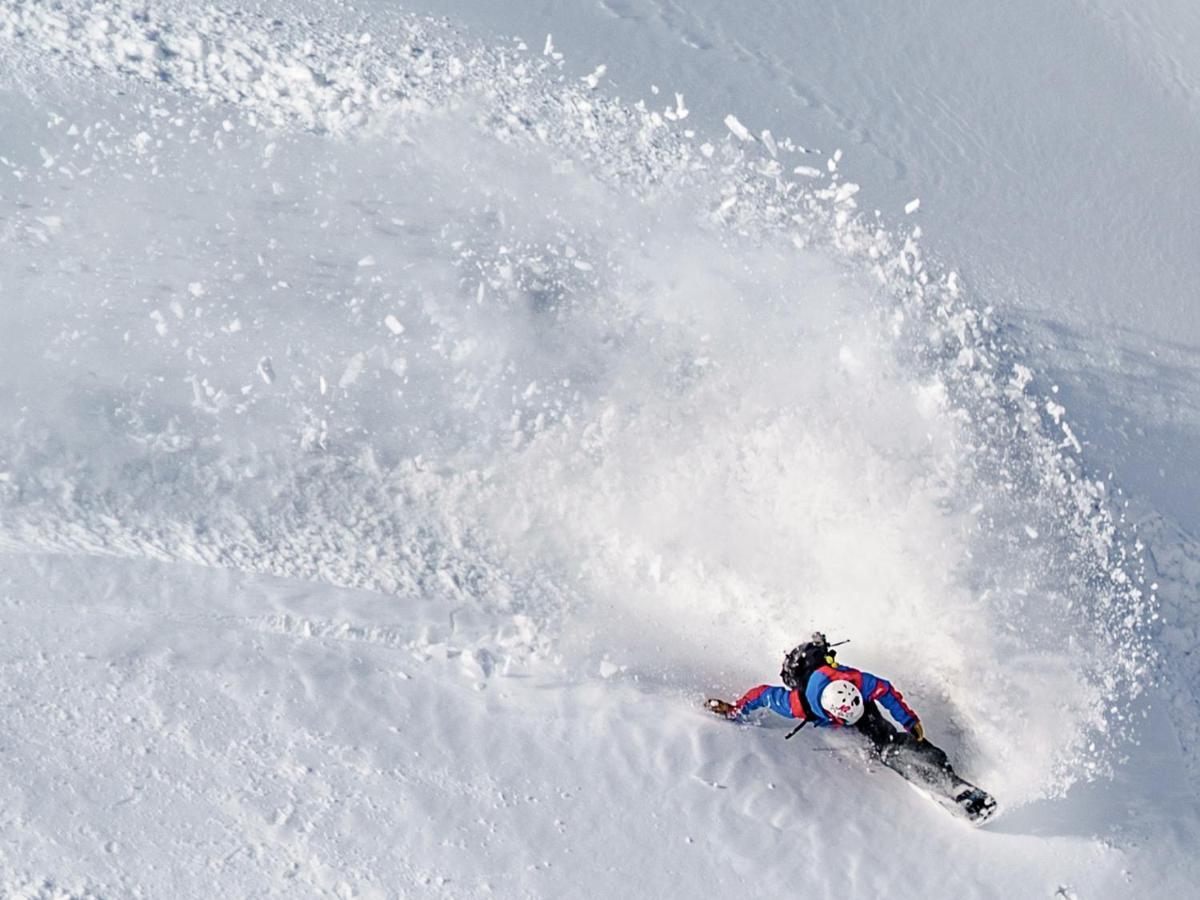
[{"x": 922, "y": 765}]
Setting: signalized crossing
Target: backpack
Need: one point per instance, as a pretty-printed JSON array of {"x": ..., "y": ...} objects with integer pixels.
[{"x": 802, "y": 661}]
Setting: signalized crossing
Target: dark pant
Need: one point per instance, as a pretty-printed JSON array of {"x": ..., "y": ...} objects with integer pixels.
[{"x": 916, "y": 760}]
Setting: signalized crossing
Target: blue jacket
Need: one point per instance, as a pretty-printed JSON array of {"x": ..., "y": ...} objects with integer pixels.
[{"x": 787, "y": 703}]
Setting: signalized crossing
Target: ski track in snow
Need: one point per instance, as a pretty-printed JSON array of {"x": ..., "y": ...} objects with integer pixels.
[{"x": 586, "y": 387}]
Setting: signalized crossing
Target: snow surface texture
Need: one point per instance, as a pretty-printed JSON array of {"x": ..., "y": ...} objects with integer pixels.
[{"x": 449, "y": 426}]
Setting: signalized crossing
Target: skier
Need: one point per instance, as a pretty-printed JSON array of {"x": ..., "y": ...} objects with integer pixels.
[{"x": 821, "y": 691}]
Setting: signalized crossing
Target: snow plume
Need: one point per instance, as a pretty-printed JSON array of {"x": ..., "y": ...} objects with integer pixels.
[{"x": 428, "y": 318}]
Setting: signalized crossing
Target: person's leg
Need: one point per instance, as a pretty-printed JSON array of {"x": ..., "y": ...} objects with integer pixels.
[
  {"x": 877, "y": 729},
  {"x": 916, "y": 760},
  {"x": 919, "y": 756},
  {"x": 923, "y": 764}
]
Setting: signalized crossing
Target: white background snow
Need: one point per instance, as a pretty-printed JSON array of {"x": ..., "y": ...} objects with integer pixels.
[{"x": 405, "y": 421}]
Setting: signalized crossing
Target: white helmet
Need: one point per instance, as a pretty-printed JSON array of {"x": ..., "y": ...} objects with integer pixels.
[{"x": 843, "y": 701}]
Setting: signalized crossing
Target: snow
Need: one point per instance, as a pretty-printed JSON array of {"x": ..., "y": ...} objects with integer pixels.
[
  {"x": 622, "y": 411},
  {"x": 739, "y": 130}
]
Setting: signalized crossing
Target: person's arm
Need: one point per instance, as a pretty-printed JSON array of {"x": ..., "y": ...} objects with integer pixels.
[
  {"x": 882, "y": 692},
  {"x": 777, "y": 699}
]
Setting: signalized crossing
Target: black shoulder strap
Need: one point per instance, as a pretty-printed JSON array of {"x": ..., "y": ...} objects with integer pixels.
[{"x": 804, "y": 704}]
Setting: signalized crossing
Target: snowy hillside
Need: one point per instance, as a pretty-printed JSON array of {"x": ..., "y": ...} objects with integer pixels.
[{"x": 404, "y": 425}]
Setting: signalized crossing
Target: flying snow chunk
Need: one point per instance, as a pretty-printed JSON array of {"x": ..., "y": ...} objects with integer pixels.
[
  {"x": 593, "y": 80},
  {"x": 463, "y": 350},
  {"x": 845, "y": 192},
  {"x": 354, "y": 368},
  {"x": 366, "y": 262},
  {"x": 931, "y": 399},
  {"x": 849, "y": 360},
  {"x": 807, "y": 171},
  {"x": 265, "y": 370},
  {"x": 394, "y": 325},
  {"x": 912, "y": 206},
  {"x": 740, "y": 131}
]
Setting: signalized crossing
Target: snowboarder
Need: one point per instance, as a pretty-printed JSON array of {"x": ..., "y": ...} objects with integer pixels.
[{"x": 821, "y": 691}]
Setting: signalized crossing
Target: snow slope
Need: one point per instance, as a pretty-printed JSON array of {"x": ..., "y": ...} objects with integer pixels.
[
  {"x": 400, "y": 433},
  {"x": 202, "y": 733}
]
